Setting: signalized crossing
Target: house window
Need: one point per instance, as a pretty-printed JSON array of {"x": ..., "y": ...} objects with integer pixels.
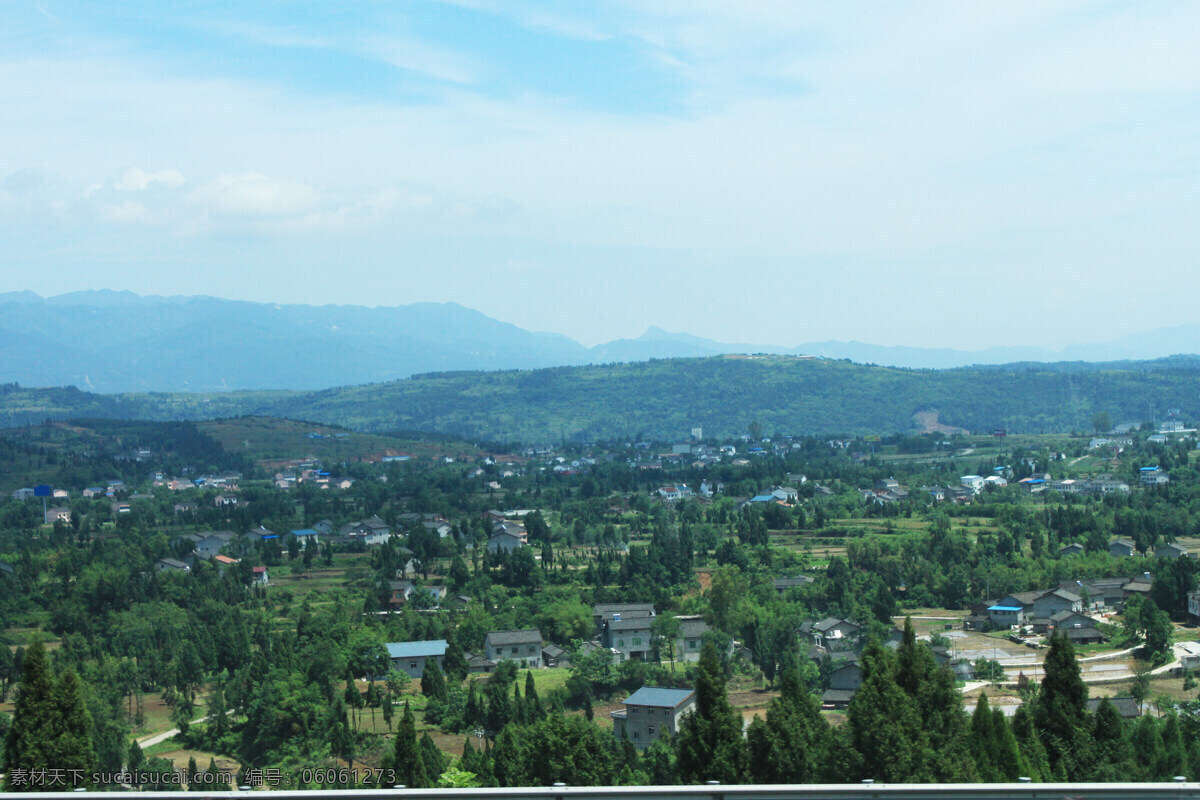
[
  {"x": 633, "y": 709},
  {"x": 637, "y": 642},
  {"x": 514, "y": 651},
  {"x": 650, "y": 731},
  {"x": 412, "y": 665},
  {"x": 692, "y": 644},
  {"x": 620, "y": 642},
  {"x": 532, "y": 649}
]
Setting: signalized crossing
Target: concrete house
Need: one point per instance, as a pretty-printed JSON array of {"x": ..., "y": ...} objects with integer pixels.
[
  {"x": 651, "y": 711},
  {"x": 524, "y": 647},
  {"x": 504, "y": 542},
  {"x": 843, "y": 683},
  {"x": 410, "y": 657},
  {"x": 629, "y": 637},
  {"x": 1171, "y": 550},
  {"x": 691, "y": 640},
  {"x": 402, "y": 591},
  {"x": 603, "y": 612},
  {"x": 1053, "y": 602},
  {"x": 832, "y": 633},
  {"x": 783, "y": 585},
  {"x": 1153, "y": 476},
  {"x": 1121, "y": 548}
]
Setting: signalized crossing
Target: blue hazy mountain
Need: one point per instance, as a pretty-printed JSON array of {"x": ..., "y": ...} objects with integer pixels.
[{"x": 108, "y": 341}]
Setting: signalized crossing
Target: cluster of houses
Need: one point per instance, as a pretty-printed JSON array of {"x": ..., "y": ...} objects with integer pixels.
[
  {"x": 1125, "y": 548},
  {"x": 889, "y": 490},
  {"x": 1066, "y": 609},
  {"x": 506, "y": 535},
  {"x": 624, "y": 631}
]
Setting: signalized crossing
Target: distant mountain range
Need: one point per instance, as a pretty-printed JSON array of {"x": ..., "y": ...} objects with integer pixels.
[
  {"x": 664, "y": 399},
  {"x": 111, "y": 342}
]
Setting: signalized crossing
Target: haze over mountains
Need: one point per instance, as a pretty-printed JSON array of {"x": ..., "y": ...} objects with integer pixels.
[{"x": 109, "y": 342}]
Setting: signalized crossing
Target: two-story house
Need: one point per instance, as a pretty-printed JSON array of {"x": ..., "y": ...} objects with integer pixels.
[
  {"x": 524, "y": 647},
  {"x": 603, "y": 612},
  {"x": 650, "y": 712},
  {"x": 629, "y": 637}
]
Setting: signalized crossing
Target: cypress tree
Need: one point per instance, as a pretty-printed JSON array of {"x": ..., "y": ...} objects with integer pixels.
[
  {"x": 51, "y": 726},
  {"x": 473, "y": 714},
  {"x": 1033, "y": 754},
  {"x": 455, "y": 662},
  {"x": 1060, "y": 713},
  {"x": 983, "y": 744},
  {"x": 471, "y": 759},
  {"x": 432, "y": 757},
  {"x": 433, "y": 684},
  {"x": 1009, "y": 765},
  {"x": 1174, "y": 758},
  {"x": 1112, "y": 747},
  {"x": 532, "y": 701},
  {"x": 710, "y": 744},
  {"x": 1148, "y": 745},
  {"x": 407, "y": 760},
  {"x": 789, "y": 746},
  {"x": 885, "y": 724}
]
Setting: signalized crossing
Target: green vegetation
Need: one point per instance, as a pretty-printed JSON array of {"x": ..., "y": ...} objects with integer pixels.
[
  {"x": 663, "y": 398},
  {"x": 110, "y": 638}
]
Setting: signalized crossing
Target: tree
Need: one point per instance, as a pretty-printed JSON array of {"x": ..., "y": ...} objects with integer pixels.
[
  {"x": 789, "y": 746},
  {"x": 51, "y": 726},
  {"x": 885, "y": 724},
  {"x": 454, "y": 665},
  {"x": 407, "y": 761},
  {"x": 710, "y": 745},
  {"x": 433, "y": 684},
  {"x": 1101, "y": 422},
  {"x": 1146, "y": 621},
  {"x": 1060, "y": 712}
]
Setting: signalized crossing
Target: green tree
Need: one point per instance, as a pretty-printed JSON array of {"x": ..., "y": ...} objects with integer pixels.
[
  {"x": 407, "y": 760},
  {"x": 51, "y": 726},
  {"x": 455, "y": 662},
  {"x": 1060, "y": 712},
  {"x": 790, "y": 745},
  {"x": 433, "y": 684},
  {"x": 710, "y": 744},
  {"x": 885, "y": 723}
]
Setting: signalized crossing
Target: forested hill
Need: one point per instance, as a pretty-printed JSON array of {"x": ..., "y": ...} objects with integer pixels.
[{"x": 665, "y": 399}]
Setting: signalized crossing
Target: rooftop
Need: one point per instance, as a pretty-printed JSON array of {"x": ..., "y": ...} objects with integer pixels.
[
  {"x": 659, "y": 697},
  {"x": 433, "y": 647}
]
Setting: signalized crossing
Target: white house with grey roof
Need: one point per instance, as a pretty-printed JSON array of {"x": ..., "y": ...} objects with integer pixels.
[
  {"x": 631, "y": 637},
  {"x": 650, "y": 712},
  {"x": 524, "y": 647},
  {"x": 410, "y": 657},
  {"x": 691, "y": 640},
  {"x": 603, "y": 612}
]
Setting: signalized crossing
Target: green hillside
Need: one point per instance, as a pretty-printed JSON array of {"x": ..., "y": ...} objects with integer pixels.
[{"x": 666, "y": 398}]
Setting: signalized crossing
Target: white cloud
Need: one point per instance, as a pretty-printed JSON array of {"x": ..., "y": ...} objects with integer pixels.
[
  {"x": 253, "y": 195},
  {"x": 127, "y": 212},
  {"x": 137, "y": 180}
]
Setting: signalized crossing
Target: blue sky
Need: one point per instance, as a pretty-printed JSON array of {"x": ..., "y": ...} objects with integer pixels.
[{"x": 960, "y": 174}]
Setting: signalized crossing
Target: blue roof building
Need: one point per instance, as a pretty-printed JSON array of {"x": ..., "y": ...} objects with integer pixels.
[
  {"x": 651, "y": 712},
  {"x": 410, "y": 657}
]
